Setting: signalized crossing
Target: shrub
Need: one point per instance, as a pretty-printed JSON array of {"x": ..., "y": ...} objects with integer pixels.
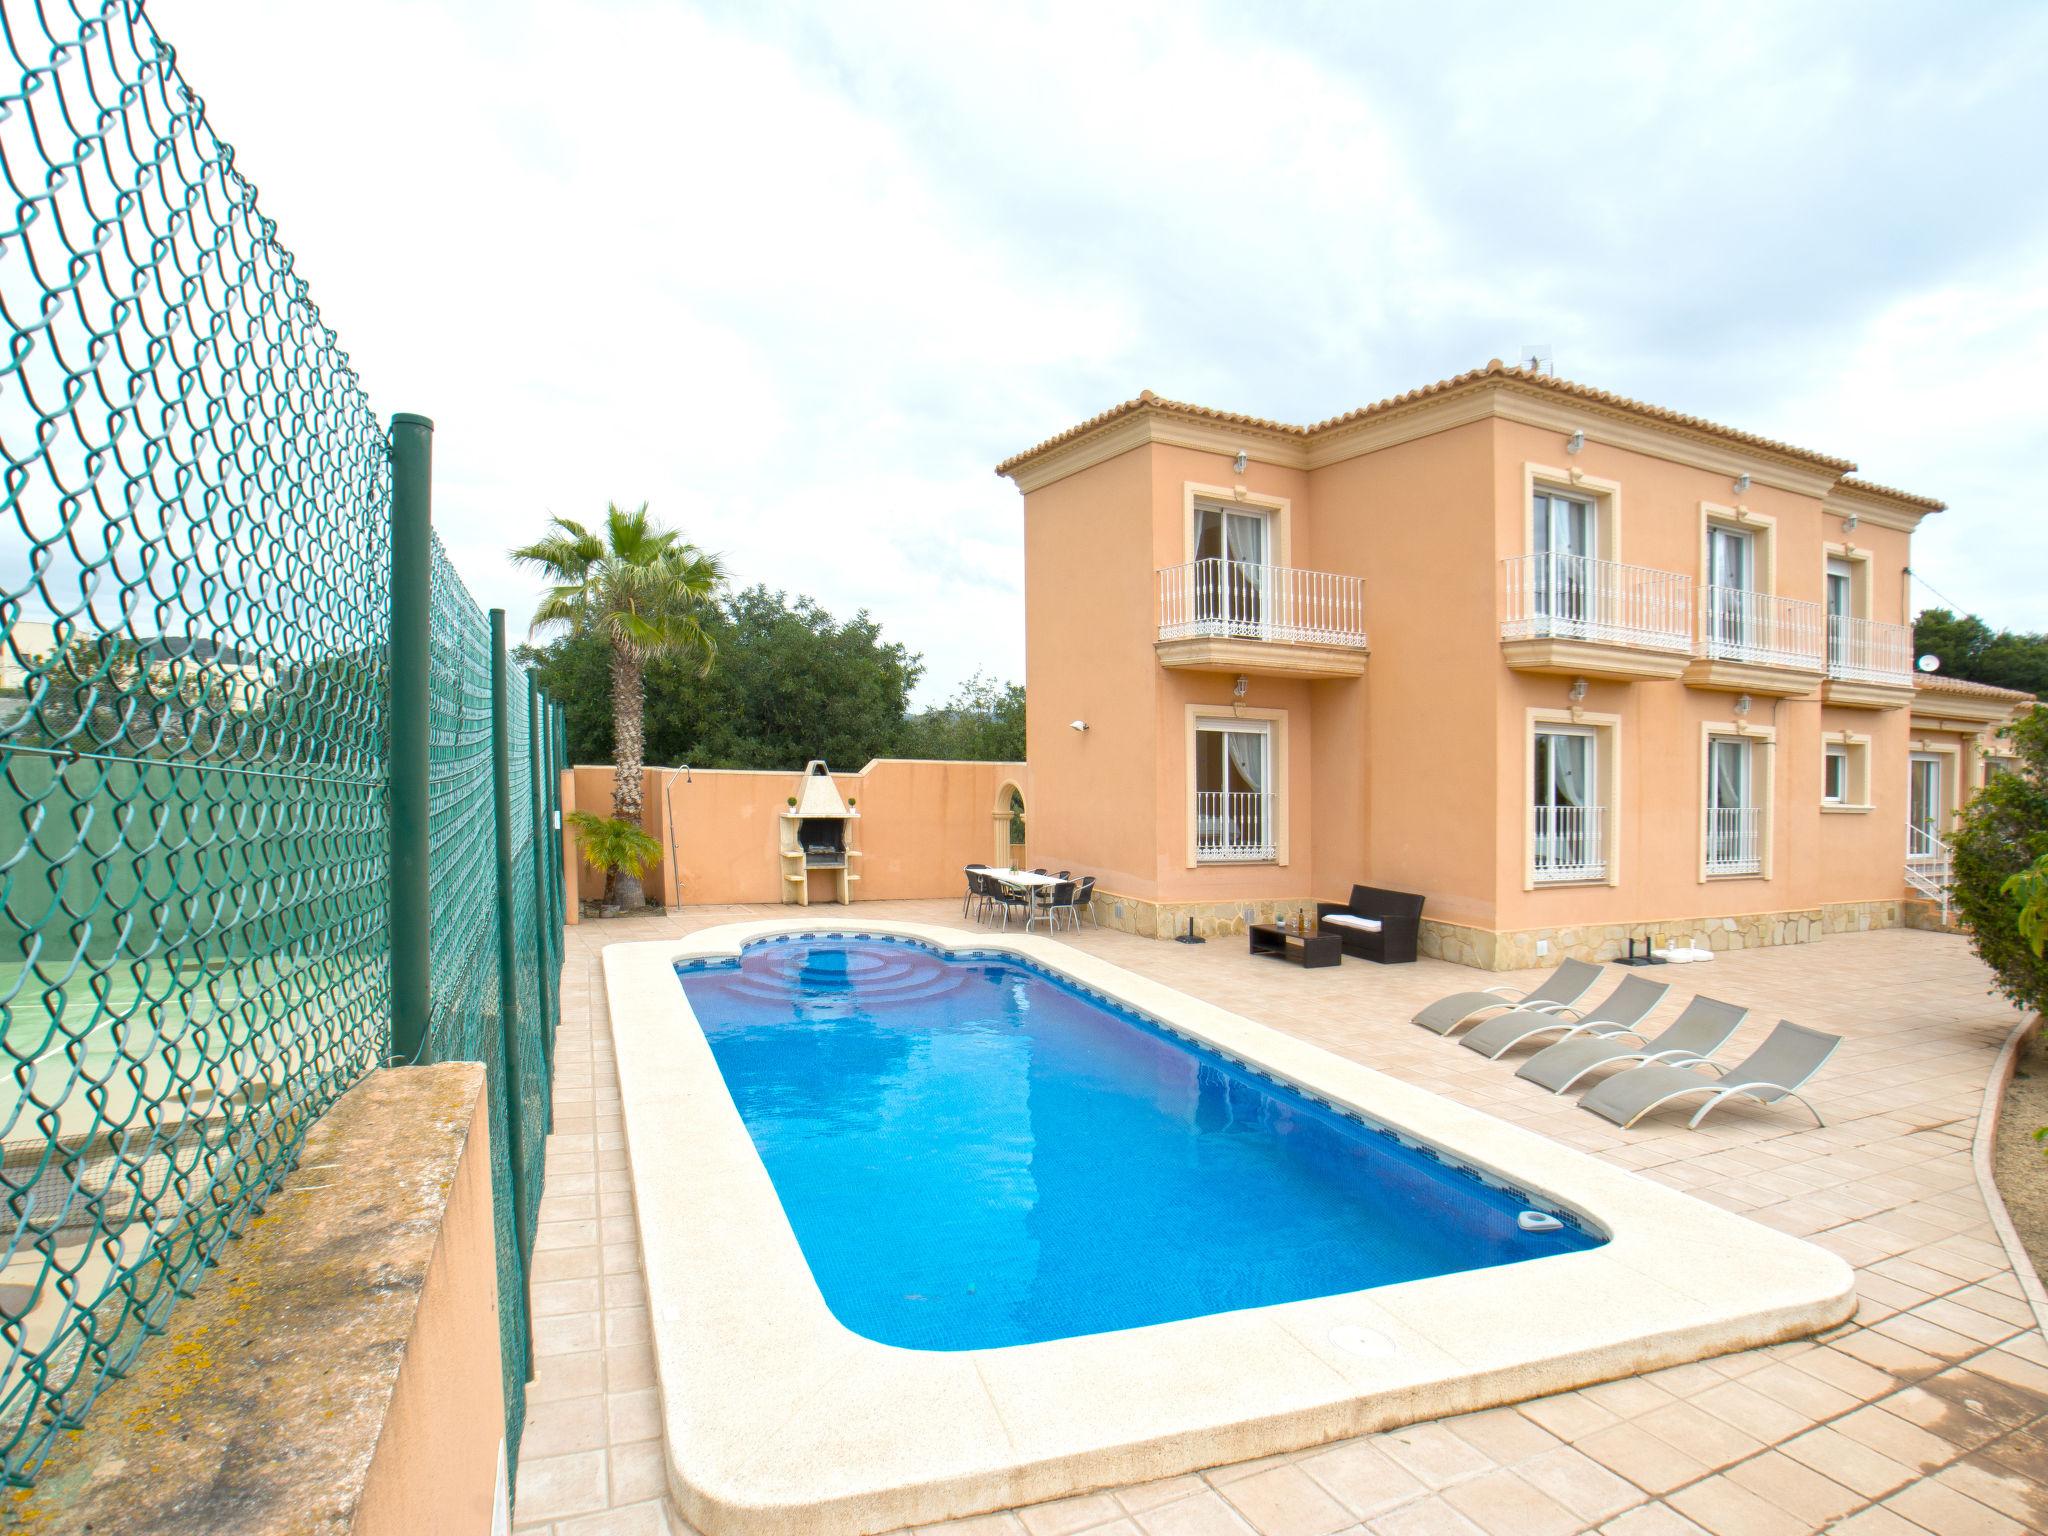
[
  {"x": 611, "y": 846},
  {"x": 2003, "y": 832}
]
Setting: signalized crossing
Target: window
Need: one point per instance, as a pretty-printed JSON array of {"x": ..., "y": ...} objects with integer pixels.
[
  {"x": 1924, "y": 807},
  {"x": 1564, "y": 536},
  {"x": 1845, "y": 773},
  {"x": 1234, "y": 812},
  {"x": 1230, "y": 569},
  {"x": 1841, "y": 605},
  {"x": 1734, "y": 824},
  {"x": 1566, "y": 817},
  {"x": 1731, "y": 583}
]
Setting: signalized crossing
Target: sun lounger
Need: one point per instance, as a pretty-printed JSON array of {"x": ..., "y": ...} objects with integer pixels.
[
  {"x": 1775, "y": 1070},
  {"x": 1617, "y": 1014},
  {"x": 1563, "y": 987},
  {"x": 1702, "y": 1029}
]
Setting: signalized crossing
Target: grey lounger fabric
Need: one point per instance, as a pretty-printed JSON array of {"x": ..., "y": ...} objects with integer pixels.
[
  {"x": 1616, "y": 1014},
  {"x": 1775, "y": 1070},
  {"x": 1702, "y": 1029},
  {"x": 1563, "y": 987}
]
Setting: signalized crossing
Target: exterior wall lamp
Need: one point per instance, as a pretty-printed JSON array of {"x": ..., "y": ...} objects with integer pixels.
[
  {"x": 1240, "y": 461},
  {"x": 1741, "y": 483},
  {"x": 1575, "y": 442}
]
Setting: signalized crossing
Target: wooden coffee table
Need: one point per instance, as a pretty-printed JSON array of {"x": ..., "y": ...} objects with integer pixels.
[{"x": 1311, "y": 951}]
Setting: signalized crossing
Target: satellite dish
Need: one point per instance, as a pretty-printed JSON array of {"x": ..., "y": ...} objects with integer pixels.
[{"x": 1929, "y": 663}]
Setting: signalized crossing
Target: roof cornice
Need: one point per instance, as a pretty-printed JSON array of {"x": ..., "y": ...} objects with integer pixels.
[{"x": 1495, "y": 391}]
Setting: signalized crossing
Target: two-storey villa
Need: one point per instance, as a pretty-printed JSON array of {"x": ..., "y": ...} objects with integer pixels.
[{"x": 1575, "y": 668}]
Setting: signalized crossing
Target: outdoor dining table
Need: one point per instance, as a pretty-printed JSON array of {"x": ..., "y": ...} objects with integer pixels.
[{"x": 1023, "y": 879}]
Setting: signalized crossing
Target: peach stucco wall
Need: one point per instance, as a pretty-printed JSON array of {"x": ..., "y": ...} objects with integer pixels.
[
  {"x": 1412, "y": 776},
  {"x": 720, "y": 829}
]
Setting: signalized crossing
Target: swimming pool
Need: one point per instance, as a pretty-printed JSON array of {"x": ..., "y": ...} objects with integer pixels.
[
  {"x": 974, "y": 1153},
  {"x": 781, "y": 1416}
]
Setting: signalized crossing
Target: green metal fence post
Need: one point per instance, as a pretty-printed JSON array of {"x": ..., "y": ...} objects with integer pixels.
[
  {"x": 518, "y": 1134},
  {"x": 543, "y": 901},
  {"x": 412, "y": 565}
]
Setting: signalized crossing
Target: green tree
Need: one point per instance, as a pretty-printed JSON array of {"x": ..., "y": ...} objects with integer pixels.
[
  {"x": 643, "y": 590},
  {"x": 1974, "y": 651},
  {"x": 793, "y": 683},
  {"x": 2002, "y": 833},
  {"x": 982, "y": 722}
]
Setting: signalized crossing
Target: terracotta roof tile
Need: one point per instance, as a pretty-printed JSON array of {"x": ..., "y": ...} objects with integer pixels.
[
  {"x": 1890, "y": 493},
  {"x": 1495, "y": 370},
  {"x": 1934, "y": 682}
]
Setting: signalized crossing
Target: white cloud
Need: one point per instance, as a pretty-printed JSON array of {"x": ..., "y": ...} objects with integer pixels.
[{"x": 800, "y": 278}]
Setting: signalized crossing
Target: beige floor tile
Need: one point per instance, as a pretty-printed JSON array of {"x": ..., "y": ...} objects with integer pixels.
[
  {"x": 1726, "y": 1508},
  {"x": 1939, "y": 1507},
  {"x": 630, "y": 1520},
  {"x": 1503, "y": 1435},
  {"x": 1064, "y": 1517},
  {"x": 571, "y": 1424},
  {"x": 1144, "y": 1496},
  {"x": 1700, "y": 1434},
  {"x": 1580, "y": 1484},
  {"x": 1796, "y": 1488},
  {"x": 977, "y": 1525},
  {"x": 1286, "y": 1501},
  {"x": 551, "y": 1487},
  {"x": 1362, "y": 1479},
  {"x": 1425, "y": 1517},
  {"x": 1205, "y": 1514},
  {"x": 1433, "y": 1454},
  {"x": 1657, "y": 1519},
  {"x": 1653, "y": 1464},
  {"x": 1504, "y": 1504}
]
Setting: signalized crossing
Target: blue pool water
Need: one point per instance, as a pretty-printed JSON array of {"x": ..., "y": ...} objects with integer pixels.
[{"x": 974, "y": 1152}]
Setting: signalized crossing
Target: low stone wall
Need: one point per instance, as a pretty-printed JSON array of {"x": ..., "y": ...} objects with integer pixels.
[
  {"x": 1919, "y": 912},
  {"x": 1169, "y": 919},
  {"x": 338, "y": 1374},
  {"x": 1488, "y": 950}
]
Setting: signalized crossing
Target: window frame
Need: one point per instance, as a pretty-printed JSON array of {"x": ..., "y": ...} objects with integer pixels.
[
  {"x": 1226, "y": 717},
  {"x": 1760, "y": 794},
  {"x": 1607, "y": 786}
]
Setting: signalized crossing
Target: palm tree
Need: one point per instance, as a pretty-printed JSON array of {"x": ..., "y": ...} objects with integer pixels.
[{"x": 644, "y": 589}]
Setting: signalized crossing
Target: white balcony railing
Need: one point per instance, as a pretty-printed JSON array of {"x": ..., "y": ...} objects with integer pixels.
[
  {"x": 1229, "y": 599},
  {"x": 1762, "y": 628},
  {"x": 1234, "y": 826},
  {"x": 1571, "y": 597},
  {"x": 1865, "y": 651},
  {"x": 1930, "y": 866},
  {"x": 1567, "y": 843},
  {"x": 1734, "y": 840}
]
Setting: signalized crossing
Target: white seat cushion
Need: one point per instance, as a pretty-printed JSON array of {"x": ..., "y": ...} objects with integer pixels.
[{"x": 1347, "y": 920}]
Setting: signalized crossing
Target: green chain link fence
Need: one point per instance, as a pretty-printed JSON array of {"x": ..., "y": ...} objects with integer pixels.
[{"x": 208, "y": 674}]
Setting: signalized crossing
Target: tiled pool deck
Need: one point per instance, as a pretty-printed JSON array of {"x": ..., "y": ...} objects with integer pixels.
[{"x": 1928, "y": 1412}]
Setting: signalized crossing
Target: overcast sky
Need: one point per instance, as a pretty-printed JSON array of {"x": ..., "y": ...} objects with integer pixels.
[{"x": 799, "y": 279}]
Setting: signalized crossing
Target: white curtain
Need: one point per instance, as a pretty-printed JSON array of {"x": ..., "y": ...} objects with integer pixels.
[
  {"x": 1571, "y": 754},
  {"x": 1247, "y": 759},
  {"x": 1728, "y": 775}
]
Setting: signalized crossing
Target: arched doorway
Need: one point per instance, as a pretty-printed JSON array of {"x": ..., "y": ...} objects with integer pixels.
[{"x": 1007, "y": 826}]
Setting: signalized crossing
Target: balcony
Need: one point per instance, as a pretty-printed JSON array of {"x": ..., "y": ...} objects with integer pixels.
[
  {"x": 1758, "y": 642},
  {"x": 1566, "y": 844},
  {"x": 1734, "y": 840},
  {"x": 1272, "y": 620},
  {"x": 1235, "y": 826},
  {"x": 1870, "y": 665},
  {"x": 1581, "y": 617}
]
